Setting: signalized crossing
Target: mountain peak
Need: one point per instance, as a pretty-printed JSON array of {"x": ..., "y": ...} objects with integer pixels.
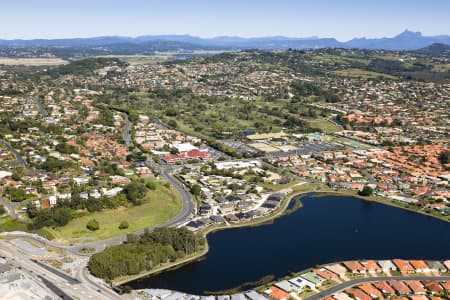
[{"x": 410, "y": 34}]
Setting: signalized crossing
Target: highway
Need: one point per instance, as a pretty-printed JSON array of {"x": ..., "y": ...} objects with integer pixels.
[
  {"x": 80, "y": 286},
  {"x": 348, "y": 284}
]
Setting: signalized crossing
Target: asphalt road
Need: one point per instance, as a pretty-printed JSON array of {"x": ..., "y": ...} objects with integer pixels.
[
  {"x": 80, "y": 286},
  {"x": 68, "y": 278},
  {"x": 54, "y": 288},
  {"x": 10, "y": 207},
  {"x": 126, "y": 133},
  {"x": 18, "y": 156},
  {"x": 348, "y": 284},
  {"x": 41, "y": 107}
]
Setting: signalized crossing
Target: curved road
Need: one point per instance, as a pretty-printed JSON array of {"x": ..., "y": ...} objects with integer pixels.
[
  {"x": 186, "y": 212},
  {"x": 348, "y": 284}
]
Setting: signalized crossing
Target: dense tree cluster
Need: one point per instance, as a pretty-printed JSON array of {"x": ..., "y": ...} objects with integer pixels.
[
  {"x": 51, "y": 217},
  {"x": 144, "y": 253}
]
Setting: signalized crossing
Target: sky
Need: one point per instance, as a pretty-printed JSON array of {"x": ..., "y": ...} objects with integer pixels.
[{"x": 342, "y": 19}]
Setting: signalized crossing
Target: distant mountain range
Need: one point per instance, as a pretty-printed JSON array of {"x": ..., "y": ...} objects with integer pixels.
[{"x": 406, "y": 40}]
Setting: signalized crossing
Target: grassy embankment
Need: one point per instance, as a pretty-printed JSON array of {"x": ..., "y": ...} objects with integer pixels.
[
  {"x": 8, "y": 224},
  {"x": 159, "y": 205}
]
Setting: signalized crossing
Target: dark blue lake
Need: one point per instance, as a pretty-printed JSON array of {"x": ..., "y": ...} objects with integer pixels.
[{"x": 325, "y": 229}]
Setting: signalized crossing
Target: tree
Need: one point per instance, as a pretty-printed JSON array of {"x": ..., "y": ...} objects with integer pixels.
[
  {"x": 2, "y": 210},
  {"x": 196, "y": 190},
  {"x": 444, "y": 157},
  {"x": 135, "y": 191},
  {"x": 172, "y": 123},
  {"x": 93, "y": 225},
  {"x": 62, "y": 216},
  {"x": 16, "y": 194},
  {"x": 123, "y": 225},
  {"x": 366, "y": 191}
]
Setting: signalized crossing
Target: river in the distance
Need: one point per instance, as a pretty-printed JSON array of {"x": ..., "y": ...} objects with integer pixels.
[{"x": 325, "y": 229}]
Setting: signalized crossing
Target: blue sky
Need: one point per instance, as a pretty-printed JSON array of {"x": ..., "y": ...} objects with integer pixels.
[{"x": 342, "y": 19}]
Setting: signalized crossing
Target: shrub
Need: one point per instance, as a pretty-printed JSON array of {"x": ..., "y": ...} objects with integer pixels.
[
  {"x": 93, "y": 225},
  {"x": 123, "y": 225}
]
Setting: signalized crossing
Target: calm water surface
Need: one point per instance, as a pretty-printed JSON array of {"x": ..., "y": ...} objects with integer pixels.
[{"x": 325, "y": 229}]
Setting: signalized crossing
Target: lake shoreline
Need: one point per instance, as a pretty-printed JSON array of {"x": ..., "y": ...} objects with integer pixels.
[{"x": 279, "y": 212}]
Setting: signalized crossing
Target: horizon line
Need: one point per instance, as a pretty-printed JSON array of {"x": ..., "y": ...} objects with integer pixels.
[{"x": 216, "y": 36}]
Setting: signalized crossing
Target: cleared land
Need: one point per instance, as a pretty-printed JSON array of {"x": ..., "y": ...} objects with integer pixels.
[
  {"x": 32, "y": 61},
  {"x": 325, "y": 125},
  {"x": 160, "y": 205},
  {"x": 160, "y": 56},
  {"x": 441, "y": 68},
  {"x": 353, "y": 72}
]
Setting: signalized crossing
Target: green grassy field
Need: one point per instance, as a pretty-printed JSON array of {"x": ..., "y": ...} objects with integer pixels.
[
  {"x": 326, "y": 126},
  {"x": 352, "y": 72},
  {"x": 159, "y": 206}
]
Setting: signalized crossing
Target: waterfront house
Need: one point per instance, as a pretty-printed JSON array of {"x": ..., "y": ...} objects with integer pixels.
[
  {"x": 302, "y": 282},
  {"x": 314, "y": 278},
  {"x": 324, "y": 273},
  {"x": 337, "y": 269},
  {"x": 276, "y": 293},
  {"x": 403, "y": 266},
  {"x": 420, "y": 266},
  {"x": 371, "y": 266},
  {"x": 252, "y": 295},
  {"x": 447, "y": 264},
  {"x": 288, "y": 287},
  {"x": 238, "y": 297},
  {"x": 436, "y": 266},
  {"x": 387, "y": 265},
  {"x": 355, "y": 267}
]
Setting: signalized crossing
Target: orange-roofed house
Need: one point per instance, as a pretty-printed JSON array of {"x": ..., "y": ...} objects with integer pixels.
[
  {"x": 358, "y": 294},
  {"x": 371, "y": 266},
  {"x": 399, "y": 287},
  {"x": 276, "y": 293},
  {"x": 419, "y": 297},
  {"x": 354, "y": 267},
  {"x": 384, "y": 287},
  {"x": 403, "y": 266},
  {"x": 86, "y": 162},
  {"x": 446, "y": 285},
  {"x": 45, "y": 203},
  {"x": 370, "y": 290},
  {"x": 420, "y": 266},
  {"x": 433, "y": 286},
  {"x": 447, "y": 264},
  {"x": 324, "y": 273},
  {"x": 416, "y": 287}
]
